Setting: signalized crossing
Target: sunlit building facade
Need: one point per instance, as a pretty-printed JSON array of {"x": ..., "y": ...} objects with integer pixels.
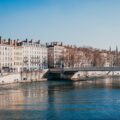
[
  {"x": 34, "y": 55},
  {"x": 55, "y": 55}
]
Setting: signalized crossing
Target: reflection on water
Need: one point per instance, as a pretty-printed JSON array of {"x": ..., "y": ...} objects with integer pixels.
[
  {"x": 106, "y": 83},
  {"x": 21, "y": 96},
  {"x": 96, "y": 99}
]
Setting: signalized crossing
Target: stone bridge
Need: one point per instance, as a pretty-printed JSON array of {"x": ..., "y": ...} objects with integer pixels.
[
  {"x": 69, "y": 72},
  {"x": 76, "y": 69}
]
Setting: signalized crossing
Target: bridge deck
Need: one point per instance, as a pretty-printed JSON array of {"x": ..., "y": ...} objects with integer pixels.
[{"x": 85, "y": 69}]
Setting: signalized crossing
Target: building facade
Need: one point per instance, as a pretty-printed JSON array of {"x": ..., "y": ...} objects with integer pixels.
[
  {"x": 55, "y": 55},
  {"x": 34, "y": 55},
  {"x": 15, "y": 56},
  {"x": 18, "y": 57},
  {"x": 6, "y": 55}
]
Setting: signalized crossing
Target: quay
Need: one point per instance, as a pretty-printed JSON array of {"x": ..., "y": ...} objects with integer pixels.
[
  {"x": 26, "y": 76},
  {"x": 59, "y": 74}
]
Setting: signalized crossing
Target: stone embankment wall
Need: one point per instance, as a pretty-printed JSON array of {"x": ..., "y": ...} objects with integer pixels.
[
  {"x": 10, "y": 78},
  {"x": 94, "y": 74},
  {"x": 83, "y": 75},
  {"x": 23, "y": 77},
  {"x": 33, "y": 76}
]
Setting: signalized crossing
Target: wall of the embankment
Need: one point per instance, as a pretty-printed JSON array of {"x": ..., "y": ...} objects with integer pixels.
[
  {"x": 23, "y": 77},
  {"x": 83, "y": 75},
  {"x": 10, "y": 78}
]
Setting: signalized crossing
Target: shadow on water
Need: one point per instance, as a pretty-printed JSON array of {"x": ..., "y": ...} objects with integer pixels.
[{"x": 93, "y": 99}]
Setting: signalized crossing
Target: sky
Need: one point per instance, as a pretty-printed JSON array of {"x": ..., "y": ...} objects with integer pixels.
[{"x": 93, "y": 23}]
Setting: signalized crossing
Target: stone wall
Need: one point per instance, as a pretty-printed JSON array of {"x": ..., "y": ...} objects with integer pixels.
[{"x": 23, "y": 77}]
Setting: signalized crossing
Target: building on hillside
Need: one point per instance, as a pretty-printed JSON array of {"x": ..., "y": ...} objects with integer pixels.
[{"x": 55, "y": 55}]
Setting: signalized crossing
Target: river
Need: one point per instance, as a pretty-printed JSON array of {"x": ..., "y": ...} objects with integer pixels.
[{"x": 61, "y": 100}]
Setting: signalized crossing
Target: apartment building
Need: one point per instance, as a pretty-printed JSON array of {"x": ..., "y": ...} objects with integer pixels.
[
  {"x": 34, "y": 55},
  {"x": 6, "y": 55},
  {"x": 18, "y": 56},
  {"x": 55, "y": 55}
]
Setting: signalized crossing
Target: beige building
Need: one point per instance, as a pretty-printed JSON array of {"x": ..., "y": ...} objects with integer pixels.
[
  {"x": 6, "y": 55},
  {"x": 18, "y": 57},
  {"x": 55, "y": 55},
  {"x": 34, "y": 55},
  {"x": 10, "y": 56}
]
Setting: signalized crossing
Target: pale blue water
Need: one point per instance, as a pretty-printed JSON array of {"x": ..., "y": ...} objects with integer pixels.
[{"x": 61, "y": 100}]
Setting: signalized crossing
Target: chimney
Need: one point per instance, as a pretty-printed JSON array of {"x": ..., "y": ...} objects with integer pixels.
[
  {"x": 38, "y": 41},
  {"x": 9, "y": 41},
  {"x": 46, "y": 44},
  {"x": 0, "y": 40},
  {"x": 15, "y": 43},
  {"x": 31, "y": 41},
  {"x": 26, "y": 40},
  {"x": 4, "y": 41},
  {"x": 51, "y": 43}
]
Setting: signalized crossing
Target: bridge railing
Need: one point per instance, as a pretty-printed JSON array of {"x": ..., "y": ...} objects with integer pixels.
[
  {"x": 114, "y": 68},
  {"x": 75, "y": 69}
]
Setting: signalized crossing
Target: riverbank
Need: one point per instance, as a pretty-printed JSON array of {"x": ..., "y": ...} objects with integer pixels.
[
  {"x": 94, "y": 74},
  {"x": 39, "y": 75},
  {"x": 30, "y": 76}
]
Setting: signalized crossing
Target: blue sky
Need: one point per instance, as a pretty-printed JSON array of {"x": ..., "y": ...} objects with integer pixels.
[{"x": 82, "y": 22}]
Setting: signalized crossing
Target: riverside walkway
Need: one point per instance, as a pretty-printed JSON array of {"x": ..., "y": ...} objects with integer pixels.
[{"x": 76, "y": 69}]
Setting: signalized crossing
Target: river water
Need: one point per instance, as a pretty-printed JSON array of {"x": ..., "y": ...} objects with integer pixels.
[{"x": 61, "y": 100}]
